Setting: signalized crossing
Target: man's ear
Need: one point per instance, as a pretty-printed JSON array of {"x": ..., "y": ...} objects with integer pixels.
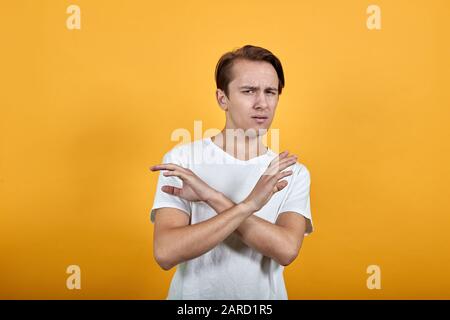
[{"x": 222, "y": 99}]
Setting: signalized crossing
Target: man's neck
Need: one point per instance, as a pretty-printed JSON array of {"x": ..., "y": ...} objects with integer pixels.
[{"x": 239, "y": 146}]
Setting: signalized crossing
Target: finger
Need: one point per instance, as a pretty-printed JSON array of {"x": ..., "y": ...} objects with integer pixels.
[
  {"x": 176, "y": 173},
  {"x": 281, "y": 185},
  {"x": 291, "y": 157},
  {"x": 171, "y": 190},
  {"x": 283, "y": 164},
  {"x": 287, "y": 163},
  {"x": 166, "y": 166},
  {"x": 283, "y": 174},
  {"x": 283, "y": 155},
  {"x": 280, "y": 156},
  {"x": 163, "y": 166},
  {"x": 280, "y": 160}
]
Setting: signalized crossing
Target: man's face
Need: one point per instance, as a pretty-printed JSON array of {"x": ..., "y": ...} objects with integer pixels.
[{"x": 252, "y": 95}]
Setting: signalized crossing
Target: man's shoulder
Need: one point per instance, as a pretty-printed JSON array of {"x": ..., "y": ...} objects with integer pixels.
[
  {"x": 300, "y": 170},
  {"x": 301, "y": 166},
  {"x": 297, "y": 167}
]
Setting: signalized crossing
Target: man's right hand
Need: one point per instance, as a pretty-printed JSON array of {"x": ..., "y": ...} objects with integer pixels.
[
  {"x": 194, "y": 188},
  {"x": 270, "y": 183}
]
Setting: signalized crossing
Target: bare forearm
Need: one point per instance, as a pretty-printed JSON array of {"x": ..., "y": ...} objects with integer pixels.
[
  {"x": 188, "y": 242},
  {"x": 269, "y": 239}
]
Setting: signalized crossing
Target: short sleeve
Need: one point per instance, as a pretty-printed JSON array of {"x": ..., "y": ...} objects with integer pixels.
[
  {"x": 163, "y": 199},
  {"x": 298, "y": 196}
]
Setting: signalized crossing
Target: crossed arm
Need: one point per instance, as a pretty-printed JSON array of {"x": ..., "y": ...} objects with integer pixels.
[
  {"x": 280, "y": 241},
  {"x": 175, "y": 240}
]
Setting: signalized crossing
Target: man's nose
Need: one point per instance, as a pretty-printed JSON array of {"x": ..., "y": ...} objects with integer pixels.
[{"x": 261, "y": 101}]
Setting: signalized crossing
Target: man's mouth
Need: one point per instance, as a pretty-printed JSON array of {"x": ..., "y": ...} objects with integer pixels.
[{"x": 260, "y": 119}]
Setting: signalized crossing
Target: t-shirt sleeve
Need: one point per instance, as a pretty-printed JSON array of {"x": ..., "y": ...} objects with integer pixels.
[
  {"x": 163, "y": 199},
  {"x": 298, "y": 197}
]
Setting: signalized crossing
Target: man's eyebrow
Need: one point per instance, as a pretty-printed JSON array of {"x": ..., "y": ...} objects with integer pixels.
[{"x": 254, "y": 88}]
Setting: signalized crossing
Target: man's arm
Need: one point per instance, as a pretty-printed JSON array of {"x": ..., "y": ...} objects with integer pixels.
[
  {"x": 175, "y": 241},
  {"x": 280, "y": 241}
]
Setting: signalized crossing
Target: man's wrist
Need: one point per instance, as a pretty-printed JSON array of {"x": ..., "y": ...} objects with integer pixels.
[
  {"x": 213, "y": 198},
  {"x": 247, "y": 207}
]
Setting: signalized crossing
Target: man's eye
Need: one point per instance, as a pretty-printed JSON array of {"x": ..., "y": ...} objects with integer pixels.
[{"x": 246, "y": 91}]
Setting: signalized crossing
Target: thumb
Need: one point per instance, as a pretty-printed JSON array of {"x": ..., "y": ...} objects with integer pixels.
[
  {"x": 281, "y": 185},
  {"x": 171, "y": 190}
]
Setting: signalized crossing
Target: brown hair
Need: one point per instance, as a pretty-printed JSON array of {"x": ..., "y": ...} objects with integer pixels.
[{"x": 253, "y": 53}]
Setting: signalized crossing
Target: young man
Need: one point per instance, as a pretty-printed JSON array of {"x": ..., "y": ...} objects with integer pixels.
[{"x": 226, "y": 212}]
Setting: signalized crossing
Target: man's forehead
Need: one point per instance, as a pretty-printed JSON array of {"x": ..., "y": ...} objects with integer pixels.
[{"x": 257, "y": 76}]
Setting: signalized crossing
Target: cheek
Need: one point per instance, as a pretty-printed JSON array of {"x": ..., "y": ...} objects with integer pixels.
[
  {"x": 273, "y": 105},
  {"x": 242, "y": 107},
  {"x": 273, "y": 100}
]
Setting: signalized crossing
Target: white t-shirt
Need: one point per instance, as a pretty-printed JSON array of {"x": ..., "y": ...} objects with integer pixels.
[{"x": 231, "y": 270}]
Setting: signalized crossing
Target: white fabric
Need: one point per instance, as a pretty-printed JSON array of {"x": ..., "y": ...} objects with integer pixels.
[{"x": 231, "y": 270}]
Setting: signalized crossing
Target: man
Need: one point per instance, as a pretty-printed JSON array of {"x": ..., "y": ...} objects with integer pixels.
[{"x": 226, "y": 212}]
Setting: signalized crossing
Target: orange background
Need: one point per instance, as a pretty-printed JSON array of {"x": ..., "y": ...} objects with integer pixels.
[{"x": 84, "y": 113}]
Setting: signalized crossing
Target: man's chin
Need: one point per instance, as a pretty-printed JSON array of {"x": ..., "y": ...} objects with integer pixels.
[
  {"x": 250, "y": 131},
  {"x": 256, "y": 131}
]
